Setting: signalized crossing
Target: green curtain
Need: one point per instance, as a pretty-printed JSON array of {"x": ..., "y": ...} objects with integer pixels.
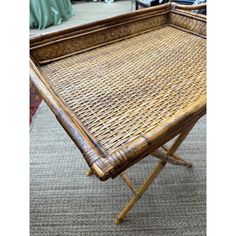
[{"x": 44, "y": 13}]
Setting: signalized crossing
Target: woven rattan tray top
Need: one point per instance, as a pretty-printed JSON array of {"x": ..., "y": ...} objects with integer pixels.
[
  {"x": 124, "y": 86},
  {"x": 124, "y": 89}
]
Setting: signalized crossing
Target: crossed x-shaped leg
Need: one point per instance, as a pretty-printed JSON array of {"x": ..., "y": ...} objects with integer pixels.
[{"x": 165, "y": 155}]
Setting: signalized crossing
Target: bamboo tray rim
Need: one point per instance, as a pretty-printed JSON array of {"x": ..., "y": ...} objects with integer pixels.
[{"x": 171, "y": 7}]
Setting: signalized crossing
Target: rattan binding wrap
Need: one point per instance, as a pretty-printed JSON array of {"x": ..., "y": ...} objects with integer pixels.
[{"x": 122, "y": 100}]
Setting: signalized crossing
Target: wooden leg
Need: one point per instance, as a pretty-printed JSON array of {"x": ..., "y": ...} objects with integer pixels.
[
  {"x": 170, "y": 159},
  {"x": 175, "y": 156},
  {"x": 140, "y": 192},
  {"x": 179, "y": 140},
  {"x": 90, "y": 172},
  {"x": 169, "y": 155},
  {"x": 128, "y": 182},
  {"x": 166, "y": 156}
]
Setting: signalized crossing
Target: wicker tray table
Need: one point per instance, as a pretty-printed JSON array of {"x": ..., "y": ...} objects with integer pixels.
[{"x": 123, "y": 87}]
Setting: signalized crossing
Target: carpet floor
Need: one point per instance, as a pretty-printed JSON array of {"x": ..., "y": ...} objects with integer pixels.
[{"x": 63, "y": 201}]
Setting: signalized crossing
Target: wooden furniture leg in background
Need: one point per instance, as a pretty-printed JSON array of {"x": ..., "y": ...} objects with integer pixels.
[
  {"x": 179, "y": 140},
  {"x": 169, "y": 154}
]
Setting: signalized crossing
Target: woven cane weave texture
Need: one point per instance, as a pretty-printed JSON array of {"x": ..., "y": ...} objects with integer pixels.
[
  {"x": 64, "y": 202},
  {"x": 121, "y": 90}
]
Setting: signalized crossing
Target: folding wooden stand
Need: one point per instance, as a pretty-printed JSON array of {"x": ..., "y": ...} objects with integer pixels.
[
  {"x": 120, "y": 99},
  {"x": 166, "y": 155}
]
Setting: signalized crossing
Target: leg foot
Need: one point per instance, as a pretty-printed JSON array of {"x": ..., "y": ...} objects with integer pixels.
[
  {"x": 118, "y": 221},
  {"x": 189, "y": 164}
]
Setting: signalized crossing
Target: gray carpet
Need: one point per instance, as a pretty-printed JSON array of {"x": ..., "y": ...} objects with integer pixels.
[{"x": 63, "y": 201}]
